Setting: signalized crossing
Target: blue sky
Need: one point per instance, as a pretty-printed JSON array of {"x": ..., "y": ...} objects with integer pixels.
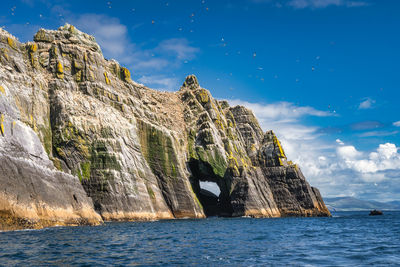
[{"x": 323, "y": 74}]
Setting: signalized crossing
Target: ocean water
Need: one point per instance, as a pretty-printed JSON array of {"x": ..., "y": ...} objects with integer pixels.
[{"x": 346, "y": 239}]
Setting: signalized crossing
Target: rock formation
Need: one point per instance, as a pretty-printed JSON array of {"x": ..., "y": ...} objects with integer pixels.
[{"x": 81, "y": 142}]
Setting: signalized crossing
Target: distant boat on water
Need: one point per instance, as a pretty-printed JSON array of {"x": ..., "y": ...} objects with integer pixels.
[{"x": 375, "y": 212}]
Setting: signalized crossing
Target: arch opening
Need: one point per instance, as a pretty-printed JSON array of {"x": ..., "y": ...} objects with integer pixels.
[{"x": 211, "y": 190}]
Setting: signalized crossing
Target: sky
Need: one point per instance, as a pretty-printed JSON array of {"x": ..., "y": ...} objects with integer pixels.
[{"x": 323, "y": 74}]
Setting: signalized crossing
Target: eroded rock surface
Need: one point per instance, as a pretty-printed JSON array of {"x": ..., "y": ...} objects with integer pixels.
[{"x": 78, "y": 133}]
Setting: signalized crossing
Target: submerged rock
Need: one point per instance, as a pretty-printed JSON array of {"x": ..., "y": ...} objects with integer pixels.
[{"x": 80, "y": 139}]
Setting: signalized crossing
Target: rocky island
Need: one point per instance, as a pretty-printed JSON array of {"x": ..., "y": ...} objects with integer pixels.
[{"x": 82, "y": 143}]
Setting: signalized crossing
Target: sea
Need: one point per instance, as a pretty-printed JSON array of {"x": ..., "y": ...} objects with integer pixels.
[{"x": 345, "y": 239}]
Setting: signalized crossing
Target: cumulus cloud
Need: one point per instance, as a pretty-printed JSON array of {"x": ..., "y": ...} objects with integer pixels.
[
  {"x": 386, "y": 157},
  {"x": 366, "y": 104},
  {"x": 348, "y": 152}
]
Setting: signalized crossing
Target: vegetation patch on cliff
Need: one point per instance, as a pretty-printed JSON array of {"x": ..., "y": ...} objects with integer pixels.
[{"x": 158, "y": 150}]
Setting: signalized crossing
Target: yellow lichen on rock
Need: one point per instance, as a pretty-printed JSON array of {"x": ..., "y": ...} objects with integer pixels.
[
  {"x": 2, "y": 90},
  {"x": 92, "y": 77},
  {"x": 126, "y": 75},
  {"x": 60, "y": 70},
  {"x": 77, "y": 65},
  {"x": 54, "y": 51},
  {"x": 33, "y": 48},
  {"x": 276, "y": 142},
  {"x": 106, "y": 78},
  {"x": 72, "y": 29},
  {"x": 4, "y": 53},
  {"x": 244, "y": 163},
  {"x": 78, "y": 76},
  {"x": 2, "y": 124},
  {"x": 203, "y": 96},
  {"x": 253, "y": 148},
  {"x": 11, "y": 42}
]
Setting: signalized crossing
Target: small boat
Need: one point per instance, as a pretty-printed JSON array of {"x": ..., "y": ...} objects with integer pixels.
[{"x": 375, "y": 212}]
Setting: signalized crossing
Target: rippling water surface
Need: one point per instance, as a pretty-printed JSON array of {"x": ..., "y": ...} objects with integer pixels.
[{"x": 348, "y": 238}]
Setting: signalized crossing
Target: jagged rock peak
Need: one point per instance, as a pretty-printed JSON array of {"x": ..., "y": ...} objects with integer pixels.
[
  {"x": 6, "y": 33},
  {"x": 269, "y": 136},
  {"x": 191, "y": 82},
  {"x": 271, "y": 152},
  {"x": 67, "y": 34}
]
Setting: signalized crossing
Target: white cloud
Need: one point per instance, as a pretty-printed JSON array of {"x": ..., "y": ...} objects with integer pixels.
[
  {"x": 396, "y": 123},
  {"x": 377, "y": 133},
  {"x": 148, "y": 63},
  {"x": 179, "y": 47},
  {"x": 348, "y": 152},
  {"x": 160, "y": 82},
  {"x": 385, "y": 158},
  {"x": 335, "y": 168},
  {"x": 109, "y": 32},
  {"x": 340, "y": 142},
  {"x": 314, "y": 4},
  {"x": 366, "y": 104},
  {"x": 388, "y": 151},
  {"x": 281, "y": 110}
]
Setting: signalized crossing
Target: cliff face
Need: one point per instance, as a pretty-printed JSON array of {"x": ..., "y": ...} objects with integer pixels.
[{"x": 80, "y": 138}]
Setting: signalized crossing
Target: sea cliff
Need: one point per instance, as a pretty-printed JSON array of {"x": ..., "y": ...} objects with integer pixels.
[{"x": 81, "y": 143}]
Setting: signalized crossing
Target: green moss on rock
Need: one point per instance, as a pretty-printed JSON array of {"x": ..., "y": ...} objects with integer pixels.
[
  {"x": 46, "y": 136},
  {"x": 151, "y": 192},
  {"x": 101, "y": 158},
  {"x": 56, "y": 163},
  {"x": 158, "y": 150},
  {"x": 85, "y": 168},
  {"x": 214, "y": 159}
]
